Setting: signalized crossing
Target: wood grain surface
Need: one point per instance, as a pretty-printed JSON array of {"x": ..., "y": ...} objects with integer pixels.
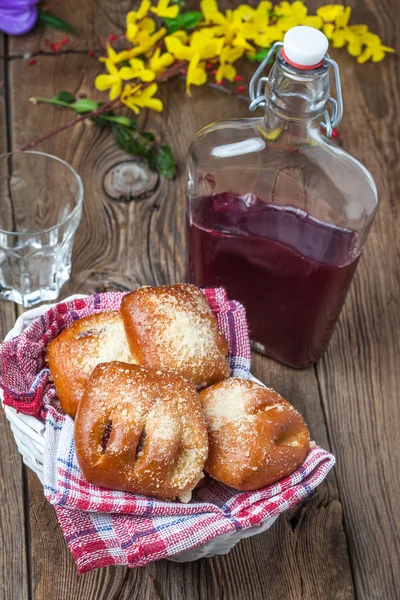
[{"x": 342, "y": 542}]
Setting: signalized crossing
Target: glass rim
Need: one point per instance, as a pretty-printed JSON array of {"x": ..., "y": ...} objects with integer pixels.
[{"x": 73, "y": 211}]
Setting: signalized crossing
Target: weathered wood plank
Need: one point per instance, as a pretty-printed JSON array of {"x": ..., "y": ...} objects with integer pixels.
[
  {"x": 14, "y": 582},
  {"x": 123, "y": 245},
  {"x": 95, "y": 22},
  {"x": 13, "y": 556},
  {"x": 360, "y": 374}
]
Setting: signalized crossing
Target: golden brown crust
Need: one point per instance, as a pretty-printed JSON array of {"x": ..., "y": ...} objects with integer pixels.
[
  {"x": 255, "y": 436},
  {"x": 73, "y": 354},
  {"x": 141, "y": 431},
  {"x": 172, "y": 328}
]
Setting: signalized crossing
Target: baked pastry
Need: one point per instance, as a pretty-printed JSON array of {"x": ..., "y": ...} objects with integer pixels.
[
  {"x": 172, "y": 328},
  {"x": 141, "y": 431},
  {"x": 73, "y": 354},
  {"x": 255, "y": 436}
]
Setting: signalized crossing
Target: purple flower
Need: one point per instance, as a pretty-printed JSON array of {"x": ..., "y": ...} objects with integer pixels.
[{"x": 17, "y": 16}]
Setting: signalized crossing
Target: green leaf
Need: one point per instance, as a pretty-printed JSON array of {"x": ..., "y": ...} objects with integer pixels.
[
  {"x": 148, "y": 135},
  {"x": 124, "y": 121},
  {"x": 65, "y": 96},
  {"x": 52, "y": 22},
  {"x": 165, "y": 162},
  {"x": 187, "y": 20},
  {"x": 123, "y": 139},
  {"x": 139, "y": 144},
  {"x": 84, "y": 105},
  {"x": 260, "y": 55}
]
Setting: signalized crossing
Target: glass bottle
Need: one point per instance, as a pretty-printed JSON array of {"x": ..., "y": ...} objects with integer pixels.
[{"x": 277, "y": 213}]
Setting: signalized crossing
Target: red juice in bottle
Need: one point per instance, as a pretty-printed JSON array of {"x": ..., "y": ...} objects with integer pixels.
[
  {"x": 291, "y": 271},
  {"x": 277, "y": 213}
]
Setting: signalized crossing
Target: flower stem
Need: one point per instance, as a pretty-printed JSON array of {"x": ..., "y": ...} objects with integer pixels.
[
  {"x": 88, "y": 115},
  {"x": 41, "y": 100},
  {"x": 168, "y": 73}
]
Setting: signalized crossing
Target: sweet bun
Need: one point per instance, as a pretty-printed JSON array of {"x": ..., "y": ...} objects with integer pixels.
[
  {"x": 141, "y": 431},
  {"x": 255, "y": 436},
  {"x": 73, "y": 355},
  {"x": 172, "y": 328}
]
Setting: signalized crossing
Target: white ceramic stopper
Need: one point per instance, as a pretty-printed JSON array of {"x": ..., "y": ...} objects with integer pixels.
[{"x": 305, "y": 46}]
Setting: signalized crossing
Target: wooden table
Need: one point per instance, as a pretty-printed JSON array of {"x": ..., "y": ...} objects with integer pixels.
[{"x": 342, "y": 542}]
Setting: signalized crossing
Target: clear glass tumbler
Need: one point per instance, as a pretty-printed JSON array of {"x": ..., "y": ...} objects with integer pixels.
[{"x": 40, "y": 209}]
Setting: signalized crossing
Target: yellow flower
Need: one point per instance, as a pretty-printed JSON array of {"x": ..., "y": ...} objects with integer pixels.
[
  {"x": 137, "y": 70},
  {"x": 181, "y": 35},
  {"x": 202, "y": 42},
  {"x": 266, "y": 38},
  {"x": 137, "y": 98},
  {"x": 196, "y": 73},
  {"x": 262, "y": 10},
  {"x": 179, "y": 50},
  {"x": 328, "y": 29},
  {"x": 165, "y": 11},
  {"x": 136, "y": 33},
  {"x": 210, "y": 11},
  {"x": 229, "y": 25},
  {"x": 112, "y": 56},
  {"x": 159, "y": 62},
  {"x": 231, "y": 55},
  {"x": 146, "y": 42},
  {"x": 257, "y": 28},
  {"x": 330, "y": 12},
  {"x": 226, "y": 70},
  {"x": 112, "y": 81},
  {"x": 133, "y": 16},
  {"x": 139, "y": 14},
  {"x": 290, "y": 15},
  {"x": 374, "y": 49},
  {"x": 341, "y": 34},
  {"x": 247, "y": 13}
]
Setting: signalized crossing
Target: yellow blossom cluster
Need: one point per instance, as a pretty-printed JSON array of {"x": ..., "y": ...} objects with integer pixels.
[{"x": 215, "y": 43}]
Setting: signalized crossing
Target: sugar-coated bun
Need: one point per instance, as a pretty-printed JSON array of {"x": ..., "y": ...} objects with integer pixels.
[
  {"x": 172, "y": 328},
  {"x": 255, "y": 436},
  {"x": 73, "y": 355},
  {"x": 141, "y": 431}
]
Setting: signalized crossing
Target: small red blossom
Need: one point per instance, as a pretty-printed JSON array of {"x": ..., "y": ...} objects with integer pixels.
[
  {"x": 240, "y": 89},
  {"x": 55, "y": 47},
  {"x": 209, "y": 66},
  {"x": 31, "y": 61},
  {"x": 335, "y": 133},
  {"x": 238, "y": 78},
  {"x": 91, "y": 53},
  {"x": 112, "y": 37},
  {"x": 220, "y": 82},
  {"x": 64, "y": 41}
]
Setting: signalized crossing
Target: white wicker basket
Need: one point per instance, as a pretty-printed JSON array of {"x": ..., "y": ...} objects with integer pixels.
[{"x": 29, "y": 435}]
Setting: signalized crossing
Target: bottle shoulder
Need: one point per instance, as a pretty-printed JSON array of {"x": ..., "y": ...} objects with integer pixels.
[{"x": 263, "y": 154}]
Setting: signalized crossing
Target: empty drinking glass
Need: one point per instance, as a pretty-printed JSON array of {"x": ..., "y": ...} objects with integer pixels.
[{"x": 40, "y": 209}]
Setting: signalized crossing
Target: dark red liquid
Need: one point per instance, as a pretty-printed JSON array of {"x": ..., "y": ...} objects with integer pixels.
[{"x": 290, "y": 271}]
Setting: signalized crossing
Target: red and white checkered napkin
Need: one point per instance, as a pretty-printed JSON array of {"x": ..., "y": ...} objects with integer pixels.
[{"x": 104, "y": 527}]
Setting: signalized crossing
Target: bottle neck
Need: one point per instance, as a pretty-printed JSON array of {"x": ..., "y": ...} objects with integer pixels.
[{"x": 296, "y": 98}]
